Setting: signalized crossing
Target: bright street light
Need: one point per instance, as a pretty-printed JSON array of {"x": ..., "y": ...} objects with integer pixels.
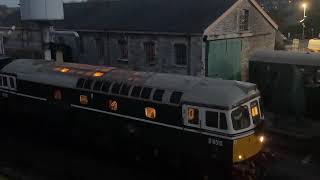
[{"x": 304, "y": 5}]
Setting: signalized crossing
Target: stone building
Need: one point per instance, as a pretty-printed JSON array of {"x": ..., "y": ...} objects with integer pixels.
[{"x": 207, "y": 37}]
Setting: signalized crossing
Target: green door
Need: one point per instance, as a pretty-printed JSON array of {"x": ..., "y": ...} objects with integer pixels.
[{"x": 224, "y": 58}]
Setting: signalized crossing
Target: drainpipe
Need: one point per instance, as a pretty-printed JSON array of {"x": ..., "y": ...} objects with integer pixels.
[
  {"x": 108, "y": 62},
  {"x": 205, "y": 54},
  {"x": 189, "y": 55},
  {"x": 46, "y": 39}
]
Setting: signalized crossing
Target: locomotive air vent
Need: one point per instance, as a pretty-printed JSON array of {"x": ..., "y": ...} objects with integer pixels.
[
  {"x": 176, "y": 97},
  {"x": 146, "y": 92},
  {"x": 158, "y": 94}
]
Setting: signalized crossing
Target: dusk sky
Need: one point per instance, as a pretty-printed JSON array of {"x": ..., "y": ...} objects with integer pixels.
[{"x": 13, "y": 3}]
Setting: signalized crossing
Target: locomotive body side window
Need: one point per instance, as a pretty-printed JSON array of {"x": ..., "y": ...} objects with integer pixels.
[
  {"x": 193, "y": 116},
  {"x": 223, "y": 121},
  {"x": 12, "y": 83},
  {"x": 5, "y": 81},
  {"x": 215, "y": 120},
  {"x": 212, "y": 119}
]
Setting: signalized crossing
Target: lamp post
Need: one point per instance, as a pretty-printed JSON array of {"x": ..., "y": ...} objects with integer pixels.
[{"x": 304, "y": 5}]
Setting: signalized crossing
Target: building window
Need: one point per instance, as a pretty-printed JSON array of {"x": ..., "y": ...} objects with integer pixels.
[
  {"x": 100, "y": 47},
  {"x": 123, "y": 47},
  {"x": 244, "y": 20},
  {"x": 180, "y": 54},
  {"x": 150, "y": 50},
  {"x": 81, "y": 44}
]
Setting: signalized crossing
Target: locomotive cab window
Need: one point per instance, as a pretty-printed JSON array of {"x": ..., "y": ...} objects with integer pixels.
[
  {"x": 255, "y": 112},
  {"x": 241, "y": 118}
]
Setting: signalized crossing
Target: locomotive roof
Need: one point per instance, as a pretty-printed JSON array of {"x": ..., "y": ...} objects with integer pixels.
[
  {"x": 285, "y": 57},
  {"x": 196, "y": 90}
]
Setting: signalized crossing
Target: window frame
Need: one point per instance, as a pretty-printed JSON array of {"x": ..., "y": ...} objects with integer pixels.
[
  {"x": 244, "y": 20},
  {"x": 176, "y": 45},
  {"x": 150, "y": 45},
  {"x": 205, "y": 119},
  {"x": 100, "y": 45},
  {"x": 247, "y": 104},
  {"x": 204, "y": 126},
  {"x": 123, "y": 46}
]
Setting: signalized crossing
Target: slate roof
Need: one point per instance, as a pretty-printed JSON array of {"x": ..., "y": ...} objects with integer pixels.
[
  {"x": 285, "y": 57},
  {"x": 176, "y": 16},
  {"x": 187, "y": 16}
]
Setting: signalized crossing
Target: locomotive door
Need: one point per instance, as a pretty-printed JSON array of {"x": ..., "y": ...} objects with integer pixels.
[{"x": 194, "y": 142}]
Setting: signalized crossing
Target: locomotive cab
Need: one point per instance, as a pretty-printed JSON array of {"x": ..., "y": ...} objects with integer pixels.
[{"x": 237, "y": 129}]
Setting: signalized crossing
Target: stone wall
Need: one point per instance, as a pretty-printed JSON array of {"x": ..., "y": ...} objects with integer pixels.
[
  {"x": 260, "y": 36},
  {"x": 164, "y": 45}
]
